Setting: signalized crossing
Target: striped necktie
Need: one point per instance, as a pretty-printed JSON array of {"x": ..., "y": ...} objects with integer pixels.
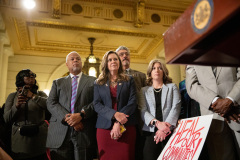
[{"x": 74, "y": 92}]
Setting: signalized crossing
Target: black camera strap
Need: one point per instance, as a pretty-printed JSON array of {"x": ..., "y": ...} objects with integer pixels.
[{"x": 26, "y": 112}]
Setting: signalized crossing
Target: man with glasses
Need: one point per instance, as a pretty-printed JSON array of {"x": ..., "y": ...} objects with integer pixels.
[
  {"x": 139, "y": 77},
  {"x": 140, "y": 81}
]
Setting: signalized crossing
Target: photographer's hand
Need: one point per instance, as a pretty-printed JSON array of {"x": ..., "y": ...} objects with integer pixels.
[
  {"x": 28, "y": 93},
  {"x": 20, "y": 100}
]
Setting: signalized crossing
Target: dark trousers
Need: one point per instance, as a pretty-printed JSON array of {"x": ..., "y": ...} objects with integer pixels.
[
  {"x": 139, "y": 144},
  {"x": 39, "y": 157},
  {"x": 70, "y": 150},
  {"x": 151, "y": 150},
  {"x": 221, "y": 143}
]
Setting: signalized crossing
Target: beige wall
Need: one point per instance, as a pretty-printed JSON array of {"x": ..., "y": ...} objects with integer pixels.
[
  {"x": 42, "y": 66},
  {"x": 176, "y": 72}
]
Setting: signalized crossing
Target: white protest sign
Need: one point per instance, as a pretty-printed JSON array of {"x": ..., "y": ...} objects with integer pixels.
[{"x": 187, "y": 140}]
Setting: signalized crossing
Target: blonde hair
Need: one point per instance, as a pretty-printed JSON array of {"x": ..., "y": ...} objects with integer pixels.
[
  {"x": 166, "y": 78},
  {"x": 105, "y": 74}
]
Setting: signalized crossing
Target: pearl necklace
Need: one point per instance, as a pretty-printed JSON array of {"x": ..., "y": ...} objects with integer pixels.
[{"x": 157, "y": 90}]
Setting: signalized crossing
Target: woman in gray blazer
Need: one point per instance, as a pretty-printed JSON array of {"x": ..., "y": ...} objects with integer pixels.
[{"x": 159, "y": 103}]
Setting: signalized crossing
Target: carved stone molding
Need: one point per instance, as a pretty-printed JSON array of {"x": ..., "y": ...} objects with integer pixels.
[
  {"x": 2, "y": 24},
  {"x": 22, "y": 29},
  {"x": 56, "y": 11},
  {"x": 140, "y": 14}
]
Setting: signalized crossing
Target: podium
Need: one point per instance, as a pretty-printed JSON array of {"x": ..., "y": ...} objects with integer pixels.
[{"x": 207, "y": 33}]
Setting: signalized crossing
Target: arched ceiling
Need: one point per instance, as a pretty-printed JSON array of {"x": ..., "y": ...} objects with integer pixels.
[{"x": 56, "y": 27}]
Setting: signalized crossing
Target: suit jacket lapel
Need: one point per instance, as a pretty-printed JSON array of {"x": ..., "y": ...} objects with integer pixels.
[
  {"x": 68, "y": 89},
  {"x": 211, "y": 79},
  {"x": 131, "y": 72},
  {"x": 151, "y": 97},
  {"x": 81, "y": 85},
  {"x": 106, "y": 90},
  {"x": 209, "y": 69},
  {"x": 218, "y": 72},
  {"x": 164, "y": 95},
  {"x": 119, "y": 88}
]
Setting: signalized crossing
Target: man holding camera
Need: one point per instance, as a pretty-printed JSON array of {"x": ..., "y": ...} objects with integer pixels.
[{"x": 72, "y": 133}]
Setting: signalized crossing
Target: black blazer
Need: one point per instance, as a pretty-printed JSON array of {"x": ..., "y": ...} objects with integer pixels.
[{"x": 126, "y": 103}]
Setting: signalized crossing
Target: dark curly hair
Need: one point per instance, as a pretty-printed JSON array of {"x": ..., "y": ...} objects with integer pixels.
[{"x": 20, "y": 80}]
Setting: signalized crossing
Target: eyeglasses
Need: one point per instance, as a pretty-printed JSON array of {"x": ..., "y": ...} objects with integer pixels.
[
  {"x": 30, "y": 75},
  {"x": 122, "y": 54}
]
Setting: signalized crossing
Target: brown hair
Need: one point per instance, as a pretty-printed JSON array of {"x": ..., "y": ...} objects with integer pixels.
[
  {"x": 105, "y": 74},
  {"x": 166, "y": 78}
]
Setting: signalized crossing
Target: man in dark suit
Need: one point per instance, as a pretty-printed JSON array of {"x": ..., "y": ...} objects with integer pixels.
[
  {"x": 71, "y": 134},
  {"x": 140, "y": 81}
]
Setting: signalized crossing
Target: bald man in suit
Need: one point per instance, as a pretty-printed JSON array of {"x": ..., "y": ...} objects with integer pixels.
[
  {"x": 72, "y": 133},
  {"x": 217, "y": 89}
]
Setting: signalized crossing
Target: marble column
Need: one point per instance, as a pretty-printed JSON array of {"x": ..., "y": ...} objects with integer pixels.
[
  {"x": 174, "y": 73},
  {"x": 5, "y": 52}
]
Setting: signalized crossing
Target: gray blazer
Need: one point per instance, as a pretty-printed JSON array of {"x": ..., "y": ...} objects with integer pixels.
[
  {"x": 203, "y": 87},
  {"x": 170, "y": 101},
  {"x": 58, "y": 104}
]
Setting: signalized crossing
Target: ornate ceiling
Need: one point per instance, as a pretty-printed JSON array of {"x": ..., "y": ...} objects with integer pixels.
[{"x": 56, "y": 27}]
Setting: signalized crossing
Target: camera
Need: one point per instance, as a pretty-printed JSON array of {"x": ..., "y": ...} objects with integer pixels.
[{"x": 24, "y": 91}]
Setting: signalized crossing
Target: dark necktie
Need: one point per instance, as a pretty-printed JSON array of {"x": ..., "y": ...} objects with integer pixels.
[{"x": 214, "y": 69}]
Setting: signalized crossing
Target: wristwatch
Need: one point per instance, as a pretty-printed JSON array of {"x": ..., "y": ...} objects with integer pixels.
[
  {"x": 154, "y": 122},
  {"x": 82, "y": 114}
]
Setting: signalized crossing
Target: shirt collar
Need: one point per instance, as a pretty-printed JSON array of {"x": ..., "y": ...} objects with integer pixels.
[
  {"x": 79, "y": 75},
  {"x": 128, "y": 69}
]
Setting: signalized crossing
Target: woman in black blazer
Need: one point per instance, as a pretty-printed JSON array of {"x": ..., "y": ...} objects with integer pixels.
[{"x": 115, "y": 103}]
